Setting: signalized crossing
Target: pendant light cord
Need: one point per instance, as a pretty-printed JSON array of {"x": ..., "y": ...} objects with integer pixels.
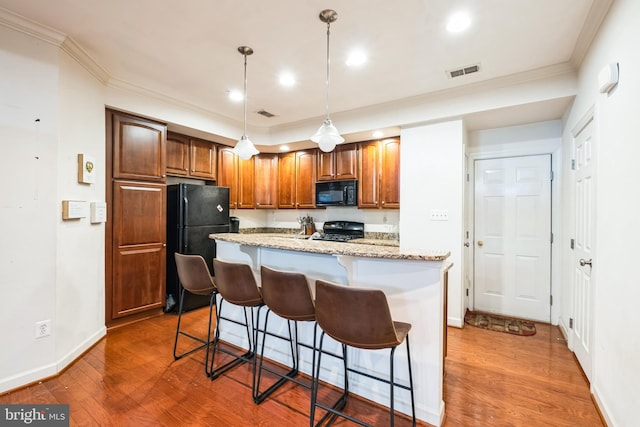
[
  {"x": 244, "y": 131},
  {"x": 328, "y": 70}
]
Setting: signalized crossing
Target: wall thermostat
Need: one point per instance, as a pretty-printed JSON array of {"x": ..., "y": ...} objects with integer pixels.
[{"x": 608, "y": 77}]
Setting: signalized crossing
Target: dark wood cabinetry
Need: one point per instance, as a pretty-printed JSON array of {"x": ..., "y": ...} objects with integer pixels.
[
  {"x": 138, "y": 148},
  {"x": 238, "y": 175},
  {"x": 135, "y": 242},
  {"x": 379, "y": 180},
  {"x": 296, "y": 180},
  {"x": 340, "y": 163},
  {"x": 190, "y": 157},
  {"x": 139, "y": 235},
  {"x": 266, "y": 181}
]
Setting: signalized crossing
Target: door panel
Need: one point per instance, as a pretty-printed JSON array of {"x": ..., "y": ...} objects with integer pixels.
[
  {"x": 584, "y": 246},
  {"x": 513, "y": 236}
]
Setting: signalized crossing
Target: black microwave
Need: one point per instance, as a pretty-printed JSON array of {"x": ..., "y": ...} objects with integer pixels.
[{"x": 337, "y": 193}]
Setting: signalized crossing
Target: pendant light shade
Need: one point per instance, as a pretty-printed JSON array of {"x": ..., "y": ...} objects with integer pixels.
[
  {"x": 327, "y": 137},
  {"x": 244, "y": 147}
]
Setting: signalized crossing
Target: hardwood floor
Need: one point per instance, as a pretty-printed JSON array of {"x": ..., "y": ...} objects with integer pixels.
[{"x": 131, "y": 379}]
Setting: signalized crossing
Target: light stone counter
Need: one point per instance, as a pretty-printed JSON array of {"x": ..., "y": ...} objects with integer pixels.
[{"x": 370, "y": 248}]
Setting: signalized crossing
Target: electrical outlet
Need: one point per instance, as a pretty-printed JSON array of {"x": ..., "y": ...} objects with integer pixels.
[
  {"x": 439, "y": 215},
  {"x": 43, "y": 328}
]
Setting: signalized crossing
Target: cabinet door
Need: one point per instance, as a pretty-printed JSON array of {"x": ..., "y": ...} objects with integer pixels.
[
  {"x": 390, "y": 173},
  {"x": 203, "y": 159},
  {"x": 368, "y": 164},
  {"x": 287, "y": 181},
  {"x": 139, "y": 237},
  {"x": 138, "y": 148},
  {"x": 346, "y": 161},
  {"x": 177, "y": 154},
  {"x": 228, "y": 174},
  {"x": 266, "y": 181},
  {"x": 246, "y": 189},
  {"x": 326, "y": 166},
  {"x": 305, "y": 179}
]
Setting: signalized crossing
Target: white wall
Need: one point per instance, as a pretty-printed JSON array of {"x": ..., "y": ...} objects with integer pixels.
[
  {"x": 49, "y": 269},
  {"x": 80, "y": 245},
  {"x": 616, "y": 343},
  {"x": 29, "y": 207},
  {"x": 432, "y": 173}
]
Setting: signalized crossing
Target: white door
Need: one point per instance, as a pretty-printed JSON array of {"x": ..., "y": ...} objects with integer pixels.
[
  {"x": 583, "y": 247},
  {"x": 512, "y": 252}
]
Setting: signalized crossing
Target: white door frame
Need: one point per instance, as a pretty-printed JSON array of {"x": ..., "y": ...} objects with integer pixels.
[{"x": 553, "y": 148}]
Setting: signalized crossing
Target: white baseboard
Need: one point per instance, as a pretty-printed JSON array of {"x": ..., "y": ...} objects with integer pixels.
[
  {"x": 51, "y": 369},
  {"x": 602, "y": 407},
  {"x": 455, "y": 321},
  {"x": 70, "y": 357}
]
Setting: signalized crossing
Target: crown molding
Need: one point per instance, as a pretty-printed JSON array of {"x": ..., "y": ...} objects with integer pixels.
[
  {"x": 29, "y": 27},
  {"x": 74, "y": 50},
  {"x": 596, "y": 16}
]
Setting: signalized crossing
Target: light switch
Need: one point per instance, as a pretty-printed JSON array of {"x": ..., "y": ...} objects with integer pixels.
[{"x": 439, "y": 215}]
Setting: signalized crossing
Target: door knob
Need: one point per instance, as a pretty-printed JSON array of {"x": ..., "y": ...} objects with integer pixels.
[
  {"x": 585, "y": 262},
  {"x": 480, "y": 243}
]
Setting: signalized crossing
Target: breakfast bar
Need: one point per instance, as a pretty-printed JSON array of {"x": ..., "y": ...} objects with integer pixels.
[{"x": 412, "y": 282}]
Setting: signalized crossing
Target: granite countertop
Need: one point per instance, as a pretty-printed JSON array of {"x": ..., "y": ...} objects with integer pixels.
[{"x": 361, "y": 247}]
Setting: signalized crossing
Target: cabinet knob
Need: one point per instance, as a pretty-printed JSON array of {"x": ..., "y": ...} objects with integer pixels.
[{"x": 382, "y": 202}]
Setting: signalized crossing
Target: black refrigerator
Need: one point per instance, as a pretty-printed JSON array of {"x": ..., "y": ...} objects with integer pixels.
[{"x": 193, "y": 212}]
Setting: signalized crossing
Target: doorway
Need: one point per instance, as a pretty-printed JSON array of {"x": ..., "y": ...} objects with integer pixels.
[{"x": 512, "y": 236}]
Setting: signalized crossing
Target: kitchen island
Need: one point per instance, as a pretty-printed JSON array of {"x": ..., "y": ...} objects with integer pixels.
[{"x": 413, "y": 283}]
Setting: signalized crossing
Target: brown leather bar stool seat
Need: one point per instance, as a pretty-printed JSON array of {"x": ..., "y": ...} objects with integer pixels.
[
  {"x": 360, "y": 318},
  {"x": 288, "y": 295},
  {"x": 237, "y": 286},
  {"x": 195, "y": 278}
]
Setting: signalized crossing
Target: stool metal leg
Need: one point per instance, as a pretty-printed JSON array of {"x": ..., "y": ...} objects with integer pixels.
[{"x": 203, "y": 343}]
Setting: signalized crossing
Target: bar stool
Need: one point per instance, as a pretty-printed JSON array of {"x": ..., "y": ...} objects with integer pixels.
[
  {"x": 236, "y": 285},
  {"x": 288, "y": 295},
  {"x": 359, "y": 318},
  {"x": 195, "y": 278}
]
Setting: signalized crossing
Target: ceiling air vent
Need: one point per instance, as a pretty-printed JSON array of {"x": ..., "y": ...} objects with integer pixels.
[
  {"x": 463, "y": 71},
  {"x": 266, "y": 114}
]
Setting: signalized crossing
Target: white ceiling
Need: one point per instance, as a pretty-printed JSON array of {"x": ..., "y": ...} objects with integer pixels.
[{"x": 187, "y": 50}]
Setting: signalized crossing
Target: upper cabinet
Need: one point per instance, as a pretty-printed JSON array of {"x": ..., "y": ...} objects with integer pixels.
[
  {"x": 338, "y": 164},
  {"x": 379, "y": 180},
  {"x": 266, "y": 180},
  {"x": 191, "y": 157},
  {"x": 138, "y": 148},
  {"x": 296, "y": 180},
  {"x": 238, "y": 175}
]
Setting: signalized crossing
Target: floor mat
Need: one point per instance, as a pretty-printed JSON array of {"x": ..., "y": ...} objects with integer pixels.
[{"x": 500, "y": 323}]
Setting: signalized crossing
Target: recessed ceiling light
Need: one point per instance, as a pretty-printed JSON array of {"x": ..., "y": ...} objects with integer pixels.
[
  {"x": 287, "y": 79},
  {"x": 235, "y": 95},
  {"x": 356, "y": 58},
  {"x": 284, "y": 148},
  {"x": 377, "y": 134},
  {"x": 458, "y": 22}
]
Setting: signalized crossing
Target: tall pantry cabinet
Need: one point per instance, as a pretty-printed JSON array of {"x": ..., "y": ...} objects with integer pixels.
[{"x": 136, "y": 232}]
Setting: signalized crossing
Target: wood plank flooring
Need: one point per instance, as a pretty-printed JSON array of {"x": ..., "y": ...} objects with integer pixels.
[{"x": 130, "y": 379}]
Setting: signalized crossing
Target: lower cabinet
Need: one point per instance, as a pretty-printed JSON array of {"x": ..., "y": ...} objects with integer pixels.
[{"x": 139, "y": 246}]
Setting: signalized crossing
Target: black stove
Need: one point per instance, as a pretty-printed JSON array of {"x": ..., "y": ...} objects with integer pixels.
[{"x": 341, "y": 231}]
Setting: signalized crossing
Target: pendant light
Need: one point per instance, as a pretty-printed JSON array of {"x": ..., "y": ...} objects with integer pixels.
[
  {"x": 327, "y": 136},
  {"x": 245, "y": 148}
]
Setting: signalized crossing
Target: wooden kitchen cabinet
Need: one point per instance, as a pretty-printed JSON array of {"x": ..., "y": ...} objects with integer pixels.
[
  {"x": 138, "y": 148},
  {"x": 139, "y": 246},
  {"x": 238, "y": 175},
  {"x": 190, "y": 157},
  {"x": 339, "y": 164},
  {"x": 266, "y": 180},
  {"x": 296, "y": 180},
  {"x": 379, "y": 174}
]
